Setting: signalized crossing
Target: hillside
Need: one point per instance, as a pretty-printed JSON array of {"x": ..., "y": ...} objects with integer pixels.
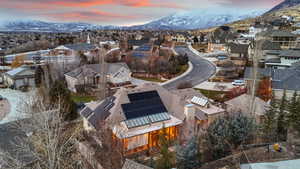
[
  {"x": 291, "y": 11},
  {"x": 201, "y": 18},
  {"x": 285, "y": 4}
]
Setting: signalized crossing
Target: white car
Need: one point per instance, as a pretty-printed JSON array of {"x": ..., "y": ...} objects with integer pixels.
[{"x": 238, "y": 83}]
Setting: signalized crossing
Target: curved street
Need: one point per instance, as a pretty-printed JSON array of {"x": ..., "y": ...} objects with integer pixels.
[{"x": 202, "y": 69}]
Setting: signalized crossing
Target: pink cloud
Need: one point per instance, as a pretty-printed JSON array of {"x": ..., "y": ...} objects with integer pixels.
[{"x": 85, "y": 16}]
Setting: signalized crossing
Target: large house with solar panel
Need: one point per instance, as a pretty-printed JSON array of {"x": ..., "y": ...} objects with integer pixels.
[
  {"x": 144, "y": 51},
  {"x": 138, "y": 116}
]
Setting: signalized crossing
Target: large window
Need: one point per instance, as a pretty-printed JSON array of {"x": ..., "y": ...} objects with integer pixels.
[{"x": 137, "y": 141}]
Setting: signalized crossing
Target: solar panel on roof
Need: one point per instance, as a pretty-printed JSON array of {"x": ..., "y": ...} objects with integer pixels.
[
  {"x": 141, "y": 121},
  {"x": 199, "y": 100},
  {"x": 143, "y": 108},
  {"x": 159, "y": 117},
  {"x": 138, "y": 55},
  {"x": 143, "y": 95}
]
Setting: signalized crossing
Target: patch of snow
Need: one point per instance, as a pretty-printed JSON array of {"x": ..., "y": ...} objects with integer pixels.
[{"x": 16, "y": 99}]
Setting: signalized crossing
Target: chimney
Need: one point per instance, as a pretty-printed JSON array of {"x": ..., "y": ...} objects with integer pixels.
[{"x": 189, "y": 112}]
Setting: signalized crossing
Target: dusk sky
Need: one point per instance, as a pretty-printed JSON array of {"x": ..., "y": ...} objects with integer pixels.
[{"x": 115, "y": 12}]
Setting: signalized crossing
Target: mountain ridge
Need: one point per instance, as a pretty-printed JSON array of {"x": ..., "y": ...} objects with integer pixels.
[
  {"x": 195, "y": 19},
  {"x": 285, "y": 4}
]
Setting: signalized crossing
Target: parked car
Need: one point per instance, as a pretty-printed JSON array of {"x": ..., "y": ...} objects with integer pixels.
[
  {"x": 238, "y": 83},
  {"x": 223, "y": 57}
]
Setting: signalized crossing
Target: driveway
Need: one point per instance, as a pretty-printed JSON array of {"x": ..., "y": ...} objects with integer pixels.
[{"x": 202, "y": 69}]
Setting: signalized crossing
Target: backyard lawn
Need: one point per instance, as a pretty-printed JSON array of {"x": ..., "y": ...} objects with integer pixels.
[
  {"x": 82, "y": 99},
  {"x": 214, "y": 95}
]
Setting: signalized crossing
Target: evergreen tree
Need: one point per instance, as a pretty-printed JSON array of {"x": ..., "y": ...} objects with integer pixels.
[
  {"x": 166, "y": 159},
  {"x": 294, "y": 112},
  {"x": 187, "y": 157},
  {"x": 292, "y": 108},
  {"x": 269, "y": 126},
  {"x": 282, "y": 118},
  {"x": 226, "y": 135},
  {"x": 239, "y": 129},
  {"x": 39, "y": 76}
]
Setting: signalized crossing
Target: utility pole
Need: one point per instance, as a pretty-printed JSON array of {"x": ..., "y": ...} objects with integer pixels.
[
  {"x": 2, "y": 58},
  {"x": 256, "y": 56},
  {"x": 102, "y": 85}
]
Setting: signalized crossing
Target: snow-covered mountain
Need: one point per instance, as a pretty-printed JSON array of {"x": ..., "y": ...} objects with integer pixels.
[
  {"x": 204, "y": 18},
  {"x": 42, "y": 26},
  {"x": 195, "y": 19}
]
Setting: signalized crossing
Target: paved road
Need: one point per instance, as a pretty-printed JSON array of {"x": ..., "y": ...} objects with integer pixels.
[{"x": 202, "y": 71}]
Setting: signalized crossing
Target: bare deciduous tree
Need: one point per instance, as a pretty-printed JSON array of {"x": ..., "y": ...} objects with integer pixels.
[{"x": 50, "y": 143}]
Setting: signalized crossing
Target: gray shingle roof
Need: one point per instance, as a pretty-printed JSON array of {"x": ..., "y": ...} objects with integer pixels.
[
  {"x": 268, "y": 45},
  {"x": 93, "y": 69},
  {"x": 276, "y": 33},
  {"x": 261, "y": 72},
  {"x": 273, "y": 60},
  {"x": 81, "y": 46},
  {"x": 290, "y": 53},
  {"x": 288, "y": 79},
  {"x": 97, "y": 112},
  {"x": 238, "y": 48}
]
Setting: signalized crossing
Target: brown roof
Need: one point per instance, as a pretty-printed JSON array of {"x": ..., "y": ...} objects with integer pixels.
[{"x": 238, "y": 104}]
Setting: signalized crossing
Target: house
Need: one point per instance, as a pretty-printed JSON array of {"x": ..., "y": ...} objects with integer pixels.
[
  {"x": 237, "y": 51},
  {"x": 255, "y": 29},
  {"x": 137, "y": 116},
  {"x": 287, "y": 80},
  {"x": 218, "y": 39},
  {"x": 143, "y": 51},
  {"x": 133, "y": 44},
  {"x": 198, "y": 108},
  {"x": 285, "y": 39},
  {"x": 179, "y": 37},
  {"x": 296, "y": 26},
  {"x": 267, "y": 48},
  {"x": 71, "y": 52},
  {"x": 282, "y": 59},
  {"x": 20, "y": 77},
  {"x": 89, "y": 75},
  {"x": 237, "y": 105}
]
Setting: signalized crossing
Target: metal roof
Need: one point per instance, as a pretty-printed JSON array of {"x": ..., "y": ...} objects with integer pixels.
[
  {"x": 15, "y": 72},
  {"x": 81, "y": 46}
]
